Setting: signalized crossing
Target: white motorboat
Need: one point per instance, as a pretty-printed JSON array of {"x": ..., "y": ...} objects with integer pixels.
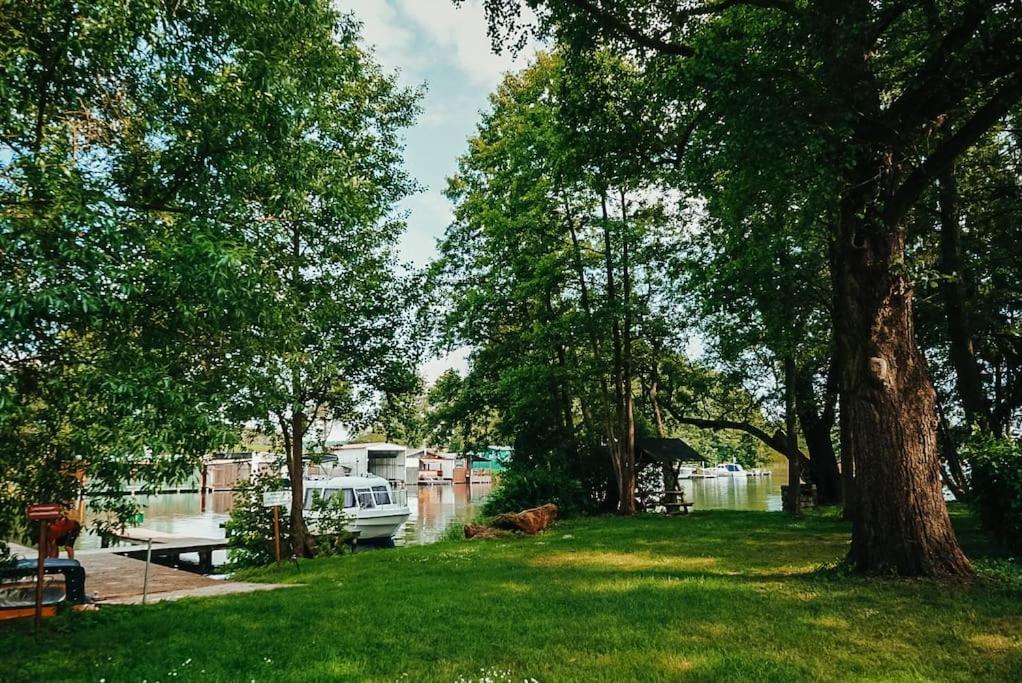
[
  {"x": 686, "y": 472},
  {"x": 373, "y": 508},
  {"x": 730, "y": 469}
]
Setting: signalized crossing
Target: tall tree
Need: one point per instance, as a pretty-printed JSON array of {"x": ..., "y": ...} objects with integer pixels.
[
  {"x": 552, "y": 264},
  {"x": 122, "y": 289},
  {"x": 323, "y": 234},
  {"x": 195, "y": 230},
  {"x": 891, "y": 94}
]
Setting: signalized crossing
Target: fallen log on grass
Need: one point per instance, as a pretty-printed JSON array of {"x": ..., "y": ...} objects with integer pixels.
[{"x": 530, "y": 521}]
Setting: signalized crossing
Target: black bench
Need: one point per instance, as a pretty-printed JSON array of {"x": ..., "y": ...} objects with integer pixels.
[{"x": 73, "y": 571}]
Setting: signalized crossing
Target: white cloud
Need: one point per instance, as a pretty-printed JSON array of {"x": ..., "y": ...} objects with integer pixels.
[
  {"x": 431, "y": 213},
  {"x": 459, "y": 35},
  {"x": 383, "y": 29},
  {"x": 412, "y": 35}
]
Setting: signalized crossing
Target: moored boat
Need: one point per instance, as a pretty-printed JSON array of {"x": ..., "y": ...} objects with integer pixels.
[
  {"x": 730, "y": 469},
  {"x": 374, "y": 510}
]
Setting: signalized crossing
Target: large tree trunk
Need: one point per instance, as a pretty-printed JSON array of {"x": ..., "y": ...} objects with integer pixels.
[
  {"x": 847, "y": 464},
  {"x": 302, "y": 543},
  {"x": 901, "y": 525},
  {"x": 790, "y": 427}
]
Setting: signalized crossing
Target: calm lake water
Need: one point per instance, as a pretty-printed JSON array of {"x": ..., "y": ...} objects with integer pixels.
[
  {"x": 434, "y": 508},
  {"x": 739, "y": 493}
]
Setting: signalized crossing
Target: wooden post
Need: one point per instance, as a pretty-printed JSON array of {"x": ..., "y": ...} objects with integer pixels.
[
  {"x": 276, "y": 532},
  {"x": 202, "y": 489},
  {"x": 39, "y": 573},
  {"x": 145, "y": 578}
]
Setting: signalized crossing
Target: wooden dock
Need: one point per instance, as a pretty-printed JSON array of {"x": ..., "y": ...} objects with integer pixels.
[
  {"x": 167, "y": 548},
  {"x": 116, "y": 575}
]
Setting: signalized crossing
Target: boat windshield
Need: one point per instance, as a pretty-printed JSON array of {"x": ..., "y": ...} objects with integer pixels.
[
  {"x": 311, "y": 494},
  {"x": 732, "y": 468},
  {"x": 365, "y": 498},
  {"x": 327, "y": 494},
  {"x": 382, "y": 495}
]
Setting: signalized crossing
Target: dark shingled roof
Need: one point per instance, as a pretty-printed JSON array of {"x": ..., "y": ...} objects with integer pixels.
[{"x": 666, "y": 450}]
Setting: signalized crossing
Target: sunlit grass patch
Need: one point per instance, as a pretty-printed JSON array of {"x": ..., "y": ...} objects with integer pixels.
[
  {"x": 710, "y": 596},
  {"x": 635, "y": 561}
]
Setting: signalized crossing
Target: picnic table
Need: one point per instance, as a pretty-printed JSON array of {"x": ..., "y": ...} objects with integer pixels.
[{"x": 677, "y": 506}]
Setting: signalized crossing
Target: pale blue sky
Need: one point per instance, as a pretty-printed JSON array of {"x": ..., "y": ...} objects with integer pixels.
[
  {"x": 432, "y": 42},
  {"x": 446, "y": 48}
]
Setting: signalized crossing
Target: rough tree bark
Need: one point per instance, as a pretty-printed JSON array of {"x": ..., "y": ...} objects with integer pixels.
[
  {"x": 794, "y": 475},
  {"x": 901, "y": 525},
  {"x": 302, "y": 543},
  {"x": 847, "y": 465}
]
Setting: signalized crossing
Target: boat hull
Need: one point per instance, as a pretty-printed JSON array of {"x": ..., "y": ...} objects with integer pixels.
[{"x": 378, "y": 523}]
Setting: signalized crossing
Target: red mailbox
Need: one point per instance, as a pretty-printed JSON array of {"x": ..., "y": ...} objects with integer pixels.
[{"x": 42, "y": 512}]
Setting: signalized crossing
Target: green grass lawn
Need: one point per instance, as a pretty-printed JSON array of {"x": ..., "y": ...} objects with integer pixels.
[{"x": 712, "y": 596}]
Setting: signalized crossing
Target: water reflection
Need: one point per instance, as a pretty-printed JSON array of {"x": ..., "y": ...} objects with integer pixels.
[
  {"x": 435, "y": 508},
  {"x": 737, "y": 493}
]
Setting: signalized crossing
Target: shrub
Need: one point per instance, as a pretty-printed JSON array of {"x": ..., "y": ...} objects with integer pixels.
[
  {"x": 250, "y": 528},
  {"x": 518, "y": 490},
  {"x": 331, "y": 526},
  {"x": 997, "y": 484}
]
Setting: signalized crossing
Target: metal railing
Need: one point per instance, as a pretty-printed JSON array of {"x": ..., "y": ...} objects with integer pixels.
[{"x": 399, "y": 496}]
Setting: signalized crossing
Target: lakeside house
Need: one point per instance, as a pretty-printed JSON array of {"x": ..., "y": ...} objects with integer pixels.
[
  {"x": 488, "y": 463},
  {"x": 477, "y": 467},
  {"x": 386, "y": 460}
]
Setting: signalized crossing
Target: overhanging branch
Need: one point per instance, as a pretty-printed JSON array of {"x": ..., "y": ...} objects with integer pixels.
[
  {"x": 941, "y": 159},
  {"x": 777, "y": 442},
  {"x": 620, "y": 26}
]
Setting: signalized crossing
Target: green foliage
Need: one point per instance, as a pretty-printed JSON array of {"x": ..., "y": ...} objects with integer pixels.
[
  {"x": 250, "y": 527},
  {"x": 453, "y": 533},
  {"x": 522, "y": 488},
  {"x": 196, "y": 231},
  {"x": 997, "y": 484},
  {"x": 331, "y": 525}
]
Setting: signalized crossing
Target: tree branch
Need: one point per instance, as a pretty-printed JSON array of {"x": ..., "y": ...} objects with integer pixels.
[
  {"x": 941, "y": 159},
  {"x": 617, "y": 25},
  {"x": 888, "y": 16},
  {"x": 778, "y": 442},
  {"x": 787, "y": 6}
]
